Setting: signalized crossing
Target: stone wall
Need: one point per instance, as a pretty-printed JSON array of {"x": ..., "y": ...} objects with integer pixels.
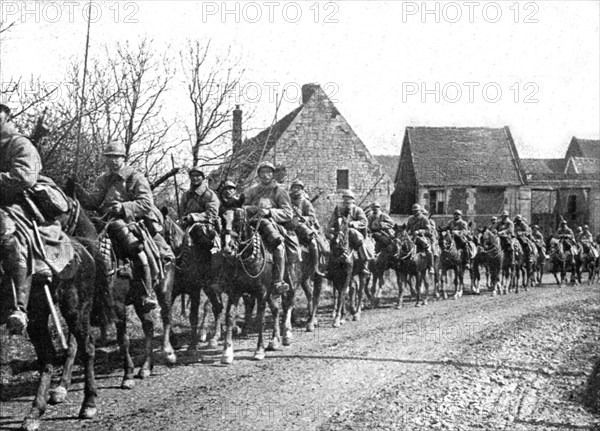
[{"x": 317, "y": 144}]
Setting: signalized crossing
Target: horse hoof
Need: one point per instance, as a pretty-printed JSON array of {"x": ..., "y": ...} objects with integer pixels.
[
  {"x": 445, "y": 295},
  {"x": 259, "y": 355},
  {"x": 127, "y": 384},
  {"x": 455, "y": 296},
  {"x": 213, "y": 344},
  {"x": 424, "y": 303},
  {"x": 336, "y": 324},
  {"x": 274, "y": 345},
  {"x": 30, "y": 425},
  {"x": 356, "y": 317},
  {"x": 203, "y": 337},
  {"x": 144, "y": 373},
  {"x": 58, "y": 395},
  {"x": 227, "y": 357},
  {"x": 88, "y": 412},
  {"x": 170, "y": 359},
  {"x": 310, "y": 327}
]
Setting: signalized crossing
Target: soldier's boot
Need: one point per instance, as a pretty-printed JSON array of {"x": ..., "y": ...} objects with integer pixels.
[
  {"x": 363, "y": 259},
  {"x": 17, "y": 321},
  {"x": 313, "y": 251},
  {"x": 279, "y": 286},
  {"x": 144, "y": 277}
]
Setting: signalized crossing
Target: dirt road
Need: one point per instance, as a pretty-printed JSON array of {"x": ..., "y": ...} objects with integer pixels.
[{"x": 509, "y": 362}]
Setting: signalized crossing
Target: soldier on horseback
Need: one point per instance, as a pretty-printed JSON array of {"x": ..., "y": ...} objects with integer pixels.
[
  {"x": 505, "y": 226},
  {"x": 275, "y": 210},
  {"x": 420, "y": 228},
  {"x": 307, "y": 225},
  {"x": 124, "y": 195},
  {"x": 493, "y": 222},
  {"x": 586, "y": 239},
  {"x": 200, "y": 205},
  {"x": 31, "y": 240},
  {"x": 462, "y": 235},
  {"x": 228, "y": 197},
  {"x": 565, "y": 233},
  {"x": 523, "y": 232},
  {"x": 381, "y": 226},
  {"x": 358, "y": 227}
]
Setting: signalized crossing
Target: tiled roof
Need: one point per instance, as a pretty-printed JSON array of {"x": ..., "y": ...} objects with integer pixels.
[
  {"x": 583, "y": 165},
  {"x": 536, "y": 169},
  {"x": 464, "y": 156},
  {"x": 247, "y": 154},
  {"x": 589, "y": 148}
]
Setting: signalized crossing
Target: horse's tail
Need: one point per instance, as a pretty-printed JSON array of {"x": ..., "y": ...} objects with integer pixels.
[{"x": 102, "y": 312}]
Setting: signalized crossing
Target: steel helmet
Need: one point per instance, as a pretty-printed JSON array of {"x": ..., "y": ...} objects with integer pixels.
[
  {"x": 115, "y": 149},
  {"x": 416, "y": 207},
  {"x": 229, "y": 185},
  {"x": 297, "y": 182},
  {"x": 265, "y": 164},
  {"x": 458, "y": 212},
  {"x": 348, "y": 193},
  {"x": 376, "y": 205},
  {"x": 504, "y": 213},
  {"x": 518, "y": 217},
  {"x": 425, "y": 212},
  {"x": 195, "y": 171}
]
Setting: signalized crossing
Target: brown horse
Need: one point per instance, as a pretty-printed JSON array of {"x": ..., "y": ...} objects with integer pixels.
[
  {"x": 343, "y": 266},
  {"x": 588, "y": 260},
  {"x": 312, "y": 284},
  {"x": 411, "y": 263},
  {"x": 75, "y": 297},
  {"x": 451, "y": 258},
  {"x": 563, "y": 257},
  {"x": 122, "y": 293},
  {"x": 247, "y": 268},
  {"x": 195, "y": 264},
  {"x": 385, "y": 260},
  {"x": 492, "y": 254}
]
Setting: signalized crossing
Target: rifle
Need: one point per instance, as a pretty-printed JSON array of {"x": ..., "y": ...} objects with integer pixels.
[
  {"x": 39, "y": 131},
  {"x": 372, "y": 188}
]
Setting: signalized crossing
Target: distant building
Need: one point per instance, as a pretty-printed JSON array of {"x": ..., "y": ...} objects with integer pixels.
[
  {"x": 474, "y": 169},
  {"x": 316, "y": 144},
  {"x": 567, "y": 187}
]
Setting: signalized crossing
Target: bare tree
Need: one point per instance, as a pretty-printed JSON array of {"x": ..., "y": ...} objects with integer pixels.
[{"x": 212, "y": 81}]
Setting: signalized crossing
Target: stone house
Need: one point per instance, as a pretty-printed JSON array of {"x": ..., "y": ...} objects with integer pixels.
[
  {"x": 314, "y": 143},
  {"x": 474, "y": 169},
  {"x": 567, "y": 187}
]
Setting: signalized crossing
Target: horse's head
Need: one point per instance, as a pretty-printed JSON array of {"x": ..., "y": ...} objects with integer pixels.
[
  {"x": 446, "y": 239},
  {"x": 405, "y": 242},
  {"x": 489, "y": 239},
  {"x": 340, "y": 244}
]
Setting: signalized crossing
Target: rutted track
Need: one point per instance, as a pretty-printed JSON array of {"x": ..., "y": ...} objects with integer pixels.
[{"x": 333, "y": 378}]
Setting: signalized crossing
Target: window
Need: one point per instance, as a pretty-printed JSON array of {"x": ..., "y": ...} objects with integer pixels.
[
  {"x": 572, "y": 204},
  {"x": 342, "y": 179},
  {"x": 437, "y": 201}
]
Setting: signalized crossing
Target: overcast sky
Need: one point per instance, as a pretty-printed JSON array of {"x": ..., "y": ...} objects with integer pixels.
[{"x": 533, "y": 66}]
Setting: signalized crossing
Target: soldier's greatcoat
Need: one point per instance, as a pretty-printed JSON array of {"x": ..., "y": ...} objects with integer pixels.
[
  {"x": 20, "y": 167},
  {"x": 200, "y": 200}
]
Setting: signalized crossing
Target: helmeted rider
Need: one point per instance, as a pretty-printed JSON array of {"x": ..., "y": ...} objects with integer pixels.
[
  {"x": 505, "y": 225},
  {"x": 538, "y": 239},
  {"x": 357, "y": 232},
  {"x": 493, "y": 222},
  {"x": 200, "y": 205},
  {"x": 275, "y": 209},
  {"x": 586, "y": 238},
  {"x": 462, "y": 235},
  {"x": 229, "y": 197},
  {"x": 420, "y": 228},
  {"x": 125, "y": 195},
  {"x": 523, "y": 231},
  {"x": 564, "y": 232},
  {"x": 305, "y": 222},
  {"x": 381, "y": 226},
  {"x": 22, "y": 254}
]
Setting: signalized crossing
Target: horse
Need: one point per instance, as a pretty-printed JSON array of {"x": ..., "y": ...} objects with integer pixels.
[
  {"x": 247, "y": 268},
  {"x": 588, "y": 260},
  {"x": 492, "y": 253},
  {"x": 123, "y": 294},
  {"x": 453, "y": 258},
  {"x": 513, "y": 266},
  {"x": 411, "y": 263},
  {"x": 75, "y": 297},
  {"x": 562, "y": 257},
  {"x": 530, "y": 261},
  {"x": 194, "y": 275},
  {"x": 386, "y": 259},
  {"x": 480, "y": 261},
  {"x": 312, "y": 284},
  {"x": 343, "y": 266}
]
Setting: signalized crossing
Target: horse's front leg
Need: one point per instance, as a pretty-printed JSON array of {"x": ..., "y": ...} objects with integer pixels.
[
  {"x": 164, "y": 292},
  {"x": 42, "y": 342},
  {"x": 312, "y": 319},
  {"x": 148, "y": 329},
  {"x": 217, "y": 310},
  {"x": 259, "y": 354},
  {"x": 275, "y": 343},
  {"x": 227, "y": 356},
  {"x": 58, "y": 394}
]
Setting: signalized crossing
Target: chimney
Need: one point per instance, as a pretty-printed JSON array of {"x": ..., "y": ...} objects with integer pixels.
[
  {"x": 307, "y": 91},
  {"x": 236, "y": 131}
]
